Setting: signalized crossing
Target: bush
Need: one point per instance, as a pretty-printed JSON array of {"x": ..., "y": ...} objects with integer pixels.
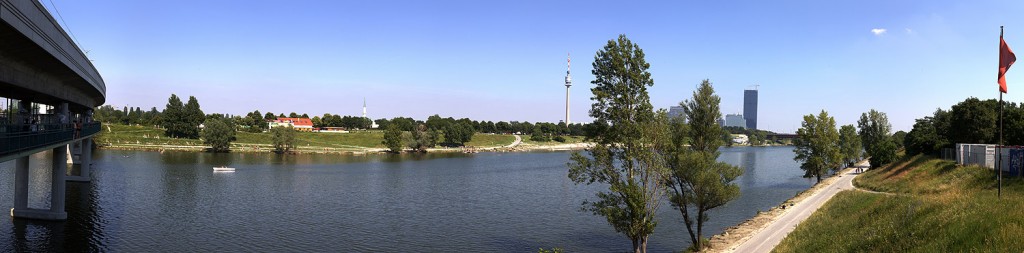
[{"x": 559, "y": 139}]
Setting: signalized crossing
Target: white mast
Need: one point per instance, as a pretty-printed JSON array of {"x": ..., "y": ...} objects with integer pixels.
[{"x": 568, "y": 82}]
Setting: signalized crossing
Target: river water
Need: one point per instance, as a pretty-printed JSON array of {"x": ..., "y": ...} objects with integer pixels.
[{"x": 488, "y": 202}]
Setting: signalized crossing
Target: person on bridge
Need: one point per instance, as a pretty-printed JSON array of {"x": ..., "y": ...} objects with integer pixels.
[{"x": 78, "y": 129}]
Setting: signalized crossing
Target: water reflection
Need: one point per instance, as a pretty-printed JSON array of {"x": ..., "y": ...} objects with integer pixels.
[{"x": 491, "y": 202}]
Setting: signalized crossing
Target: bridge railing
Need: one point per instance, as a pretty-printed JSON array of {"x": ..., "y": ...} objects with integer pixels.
[{"x": 17, "y": 138}]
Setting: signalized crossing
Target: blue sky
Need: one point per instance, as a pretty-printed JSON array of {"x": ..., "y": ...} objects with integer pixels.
[{"x": 505, "y": 60}]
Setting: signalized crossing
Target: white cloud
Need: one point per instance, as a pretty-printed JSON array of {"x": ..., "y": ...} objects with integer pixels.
[
  {"x": 909, "y": 31},
  {"x": 878, "y": 31}
]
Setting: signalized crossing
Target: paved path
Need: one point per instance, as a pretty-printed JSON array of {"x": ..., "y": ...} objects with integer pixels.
[
  {"x": 515, "y": 143},
  {"x": 766, "y": 239}
]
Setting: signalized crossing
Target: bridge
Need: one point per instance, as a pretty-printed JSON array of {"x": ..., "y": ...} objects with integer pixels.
[{"x": 50, "y": 88}]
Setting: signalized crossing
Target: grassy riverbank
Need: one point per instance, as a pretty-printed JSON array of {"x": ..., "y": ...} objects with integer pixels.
[
  {"x": 933, "y": 206},
  {"x": 144, "y": 137}
]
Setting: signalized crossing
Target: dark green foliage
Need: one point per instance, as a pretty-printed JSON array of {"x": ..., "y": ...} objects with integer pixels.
[
  {"x": 422, "y": 138},
  {"x": 194, "y": 116},
  {"x": 849, "y": 143},
  {"x": 559, "y": 139},
  {"x": 393, "y": 138},
  {"x": 974, "y": 121},
  {"x": 457, "y": 134},
  {"x": 624, "y": 156},
  {"x": 923, "y": 138},
  {"x": 885, "y": 153},
  {"x": 898, "y": 138},
  {"x": 175, "y": 119},
  {"x": 697, "y": 182},
  {"x": 539, "y": 135},
  {"x": 816, "y": 147},
  {"x": 218, "y": 133},
  {"x": 874, "y": 130},
  {"x": 284, "y": 139}
]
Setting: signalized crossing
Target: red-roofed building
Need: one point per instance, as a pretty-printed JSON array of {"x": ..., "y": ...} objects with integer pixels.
[{"x": 301, "y": 124}]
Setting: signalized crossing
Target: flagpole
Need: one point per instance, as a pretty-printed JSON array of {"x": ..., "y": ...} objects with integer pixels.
[{"x": 999, "y": 149}]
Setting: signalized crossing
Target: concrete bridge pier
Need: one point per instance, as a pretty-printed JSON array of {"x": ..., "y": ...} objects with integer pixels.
[
  {"x": 81, "y": 158},
  {"x": 57, "y": 188}
]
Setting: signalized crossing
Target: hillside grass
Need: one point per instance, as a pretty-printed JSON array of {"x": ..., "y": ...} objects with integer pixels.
[
  {"x": 114, "y": 134},
  {"x": 936, "y": 206}
]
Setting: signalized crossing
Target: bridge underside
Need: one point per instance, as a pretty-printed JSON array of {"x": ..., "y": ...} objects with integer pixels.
[{"x": 27, "y": 72}]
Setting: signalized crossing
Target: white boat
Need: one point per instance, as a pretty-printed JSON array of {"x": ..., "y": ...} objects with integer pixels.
[{"x": 223, "y": 169}]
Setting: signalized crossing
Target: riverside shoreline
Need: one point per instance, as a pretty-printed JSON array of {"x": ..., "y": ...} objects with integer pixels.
[
  {"x": 733, "y": 236},
  {"x": 264, "y": 148}
]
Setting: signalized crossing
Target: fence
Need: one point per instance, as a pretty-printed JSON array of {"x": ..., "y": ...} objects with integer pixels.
[
  {"x": 16, "y": 138},
  {"x": 984, "y": 155}
]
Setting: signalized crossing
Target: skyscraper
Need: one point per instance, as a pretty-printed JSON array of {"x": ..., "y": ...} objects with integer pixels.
[{"x": 750, "y": 107}]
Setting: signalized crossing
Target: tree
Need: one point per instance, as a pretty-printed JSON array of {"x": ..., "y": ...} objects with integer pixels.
[
  {"x": 422, "y": 138},
  {"x": 193, "y": 116},
  {"x": 174, "y": 122},
  {"x": 393, "y": 138},
  {"x": 457, "y": 134},
  {"x": 815, "y": 147},
  {"x": 874, "y": 130},
  {"x": 697, "y": 181},
  {"x": 539, "y": 135},
  {"x": 923, "y": 138},
  {"x": 898, "y": 138},
  {"x": 974, "y": 121},
  {"x": 284, "y": 139},
  {"x": 269, "y": 116},
  {"x": 218, "y": 133},
  {"x": 623, "y": 156},
  {"x": 849, "y": 144}
]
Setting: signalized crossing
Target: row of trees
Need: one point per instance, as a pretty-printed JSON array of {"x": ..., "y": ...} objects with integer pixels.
[
  {"x": 644, "y": 157},
  {"x": 969, "y": 121},
  {"x": 818, "y": 153}
]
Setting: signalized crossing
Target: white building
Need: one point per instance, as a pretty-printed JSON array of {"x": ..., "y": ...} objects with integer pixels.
[{"x": 735, "y": 120}]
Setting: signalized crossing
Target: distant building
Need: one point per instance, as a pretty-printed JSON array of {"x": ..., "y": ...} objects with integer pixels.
[
  {"x": 750, "y": 108},
  {"x": 735, "y": 120},
  {"x": 676, "y": 112},
  {"x": 300, "y": 124}
]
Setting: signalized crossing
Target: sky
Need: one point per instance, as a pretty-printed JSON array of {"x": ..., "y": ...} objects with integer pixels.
[{"x": 506, "y": 60}]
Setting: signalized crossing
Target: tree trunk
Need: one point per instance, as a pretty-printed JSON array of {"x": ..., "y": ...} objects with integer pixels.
[
  {"x": 689, "y": 224},
  {"x": 819, "y": 179},
  {"x": 700, "y": 229},
  {"x": 643, "y": 244},
  {"x": 636, "y": 245}
]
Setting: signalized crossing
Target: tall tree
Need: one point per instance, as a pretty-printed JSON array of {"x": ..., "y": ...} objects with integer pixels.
[
  {"x": 849, "y": 144},
  {"x": 174, "y": 120},
  {"x": 874, "y": 130},
  {"x": 393, "y": 138},
  {"x": 624, "y": 155},
  {"x": 193, "y": 116},
  {"x": 218, "y": 133},
  {"x": 816, "y": 146},
  {"x": 697, "y": 181}
]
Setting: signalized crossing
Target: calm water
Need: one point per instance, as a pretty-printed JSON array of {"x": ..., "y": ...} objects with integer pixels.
[{"x": 487, "y": 202}]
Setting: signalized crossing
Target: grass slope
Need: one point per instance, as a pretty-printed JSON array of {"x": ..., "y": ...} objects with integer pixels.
[
  {"x": 937, "y": 207},
  {"x": 124, "y": 134}
]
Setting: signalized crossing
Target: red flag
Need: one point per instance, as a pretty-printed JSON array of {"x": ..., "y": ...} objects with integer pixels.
[{"x": 1006, "y": 58}]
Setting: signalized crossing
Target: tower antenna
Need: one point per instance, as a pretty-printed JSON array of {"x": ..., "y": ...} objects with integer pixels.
[{"x": 568, "y": 82}]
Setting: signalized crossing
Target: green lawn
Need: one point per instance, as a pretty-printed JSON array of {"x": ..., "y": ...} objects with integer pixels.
[
  {"x": 937, "y": 207},
  {"x": 123, "y": 134},
  {"x": 568, "y": 140}
]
